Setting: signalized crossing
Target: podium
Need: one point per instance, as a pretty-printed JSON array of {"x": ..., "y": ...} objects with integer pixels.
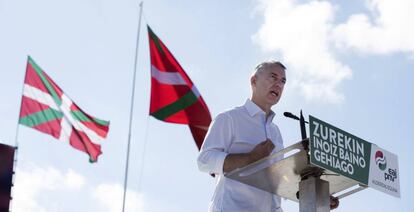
[{"x": 332, "y": 163}]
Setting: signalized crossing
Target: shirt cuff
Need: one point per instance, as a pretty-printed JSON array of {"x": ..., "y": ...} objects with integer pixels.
[
  {"x": 278, "y": 209},
  {"x": 221, "y": 156}
]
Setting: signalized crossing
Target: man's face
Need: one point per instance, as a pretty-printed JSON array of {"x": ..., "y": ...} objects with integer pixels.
[{"x": 268, "y": 85}]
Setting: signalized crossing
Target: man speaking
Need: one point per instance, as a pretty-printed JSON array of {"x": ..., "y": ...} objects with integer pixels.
[{"x": 241, "y": 136}]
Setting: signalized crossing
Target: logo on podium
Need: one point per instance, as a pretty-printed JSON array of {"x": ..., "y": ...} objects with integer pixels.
[
  {"x": 380, "y": 160},
  {"x": 348, "y": 155}
]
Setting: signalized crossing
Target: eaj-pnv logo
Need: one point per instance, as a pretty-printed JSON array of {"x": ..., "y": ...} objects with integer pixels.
[{"x": 380, "y": 160}]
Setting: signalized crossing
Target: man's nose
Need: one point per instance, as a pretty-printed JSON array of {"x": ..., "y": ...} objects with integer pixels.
[{"x": 279, "y": 84}]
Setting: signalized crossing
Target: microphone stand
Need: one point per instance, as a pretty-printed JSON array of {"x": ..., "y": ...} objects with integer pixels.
[{"x": 302, "y": 123}]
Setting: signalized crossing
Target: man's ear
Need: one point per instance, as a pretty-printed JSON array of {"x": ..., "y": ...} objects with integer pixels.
[{"x": 253, "y": 81}]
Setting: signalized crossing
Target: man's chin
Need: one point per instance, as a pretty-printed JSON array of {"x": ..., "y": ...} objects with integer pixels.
[{"x": 273, "y": 101}]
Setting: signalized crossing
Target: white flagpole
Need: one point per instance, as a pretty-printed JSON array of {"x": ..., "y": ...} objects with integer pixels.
[
  {"x": 16, "y": 138},
  {"x": 131, "y": 112}
]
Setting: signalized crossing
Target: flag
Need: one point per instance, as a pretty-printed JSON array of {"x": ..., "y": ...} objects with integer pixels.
[
  {"x": 46, "y": 108},
  {"x": 174, "y": 97}
]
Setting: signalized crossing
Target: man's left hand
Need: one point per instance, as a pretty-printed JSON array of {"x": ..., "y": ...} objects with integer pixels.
[{"x": 334, "y": 202}]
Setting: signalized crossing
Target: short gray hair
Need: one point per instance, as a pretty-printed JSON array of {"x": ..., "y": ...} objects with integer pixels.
[{"x": 267, "y": 64}]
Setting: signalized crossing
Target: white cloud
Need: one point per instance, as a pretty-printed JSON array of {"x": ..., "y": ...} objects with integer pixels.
[
  {"x": 388, "y": 29},
  {"x": 30, "y": 184},
  {"x": 110, "y": 195},
  {"x": 301, "y": 33},
  {"x": 74, "y": 180},
  {"x": 307, "y": 37},
  {"x": 33, "y": 185}
]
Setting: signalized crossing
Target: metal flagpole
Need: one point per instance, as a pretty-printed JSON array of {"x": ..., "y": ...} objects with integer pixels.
[
  {"x": 16, "y": 137},
  {"x": 132, "y": 107},
  {"x": 16, "y": 147},
  {"x": 16, "y": 140}
]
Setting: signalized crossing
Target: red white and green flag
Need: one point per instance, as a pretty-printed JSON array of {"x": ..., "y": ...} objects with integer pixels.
[
  {"x": 46, "y": 108},
  {"x": 174, "y": 97}
]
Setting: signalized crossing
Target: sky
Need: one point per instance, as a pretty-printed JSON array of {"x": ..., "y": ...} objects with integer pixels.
[{"x": 349, "y": 63}]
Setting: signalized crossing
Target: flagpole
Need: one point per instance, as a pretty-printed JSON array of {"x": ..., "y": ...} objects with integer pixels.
[
  {"x": 16, "y": 141},
  {"x": 132, "y": 107},
  {"x": 16, "y": 136}
]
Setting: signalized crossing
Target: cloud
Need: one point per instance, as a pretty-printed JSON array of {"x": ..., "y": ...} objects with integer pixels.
[
  {"x": 110, "y": 195},
  {"x": 74, "y": 180},
  {"x": 386, "y": 30},
  {"x": 32, "y": 183},
  {"x": 308, "y": 39},
  {"x": 301, "y": 34}
]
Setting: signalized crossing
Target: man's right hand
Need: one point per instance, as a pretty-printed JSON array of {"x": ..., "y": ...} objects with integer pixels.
[{"x": 261, "y": 150}]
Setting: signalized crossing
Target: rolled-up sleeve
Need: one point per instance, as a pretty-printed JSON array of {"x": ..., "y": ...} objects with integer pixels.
[{"x": 215, "y": 146}]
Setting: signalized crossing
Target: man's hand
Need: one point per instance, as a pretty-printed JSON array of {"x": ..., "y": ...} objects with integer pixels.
[
  {"x": 334, "y": 202},
  {"x": 261, "y": 150}
]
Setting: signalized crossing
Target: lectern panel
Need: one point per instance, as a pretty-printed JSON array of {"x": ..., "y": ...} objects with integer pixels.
[{"x": 282, "y": 177}]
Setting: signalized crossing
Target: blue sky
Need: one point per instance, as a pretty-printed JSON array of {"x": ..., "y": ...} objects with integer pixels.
[{"x": 349, "y": 64}]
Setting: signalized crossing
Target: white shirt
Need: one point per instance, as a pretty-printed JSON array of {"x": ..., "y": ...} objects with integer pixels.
[{"x": 238, "y": 131}]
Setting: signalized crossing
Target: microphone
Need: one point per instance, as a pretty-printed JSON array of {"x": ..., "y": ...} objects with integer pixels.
[
  {"x": 302, "y": 124},
  {"x": 292, "y": 116}
]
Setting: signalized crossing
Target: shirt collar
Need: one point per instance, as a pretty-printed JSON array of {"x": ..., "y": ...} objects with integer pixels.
[{"x": 253, "y": 109}]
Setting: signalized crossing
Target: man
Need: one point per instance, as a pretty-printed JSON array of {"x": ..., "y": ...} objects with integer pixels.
[{"x": 242, "y": 136}]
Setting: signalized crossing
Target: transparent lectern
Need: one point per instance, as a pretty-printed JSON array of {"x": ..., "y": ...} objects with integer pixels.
[
  {"x": 295, "y": 178},
  {"x": 335, "y": 163}
]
